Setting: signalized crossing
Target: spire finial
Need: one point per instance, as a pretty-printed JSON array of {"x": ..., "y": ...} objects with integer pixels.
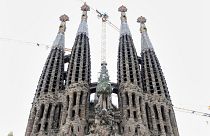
[
  {"x": 83, "y": 28},
  {"x": 123, "y": 9},
  {"x": 59, "y": 40},
  {"x": 85, "y": 8},
  {"x": 142, "y": 20},
  {"x": 63, "y": 20},
  {"x": 145, "y": 41}
]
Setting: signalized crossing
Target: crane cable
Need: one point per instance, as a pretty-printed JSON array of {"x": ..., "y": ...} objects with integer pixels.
[
  {"x": 47, "y": 46},
  {"x": 192, "y": 111}
]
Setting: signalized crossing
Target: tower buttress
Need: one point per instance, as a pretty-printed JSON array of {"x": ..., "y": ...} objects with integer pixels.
[
  {"x": 155, "y": 88},
  {"x": 45, "y": 113},
  {"x": 129, "y": 80},
  {"x": 77, "y": 82}
]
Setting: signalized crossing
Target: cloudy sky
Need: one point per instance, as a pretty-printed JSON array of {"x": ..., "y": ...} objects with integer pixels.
[{"x": 179, "y": 31}]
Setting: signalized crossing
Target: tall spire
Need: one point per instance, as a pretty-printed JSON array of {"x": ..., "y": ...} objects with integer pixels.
[
  {"x": 124, "y": 29},
  {"x": 83, "y": 28},
  {"x": 128, "y": 69},
  {"x": 145, "y": 41},
  {"x": 59, "y": 40},
  {"x": 79, "y": 63}
]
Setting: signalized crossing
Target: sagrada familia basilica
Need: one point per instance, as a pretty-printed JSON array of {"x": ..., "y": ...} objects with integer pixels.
[{"x": 62, "y": 105}]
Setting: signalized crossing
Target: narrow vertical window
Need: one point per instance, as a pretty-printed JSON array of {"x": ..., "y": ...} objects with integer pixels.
[
  {"x": 127, "y": 98},
  {"x": 73, "y": 114},
  {"x": 166, "y": 129},
  {"x": 41, "y": 111},
  {"x": 163, "y": 113},
  {"x": 140, "y": 102},
  {"x": 74, "y": 98},
  {"x": 80, "y": 99},
  {"x": 128, "y": 113},
  {"x": 149, "y": 116},
  {"x": 156, "y": 112},
  {"x": 49, "y": 110},
  {"x": 38, "y": 127},
  {"x": 134, "y": 115},
  {"x": 46, "y": 126},
  {"x": 134, "y": 100},
  {"x": 159, "y": 128},
  {"x": 67, "y": 102}
]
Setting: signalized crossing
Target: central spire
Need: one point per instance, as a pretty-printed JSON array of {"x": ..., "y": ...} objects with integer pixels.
[
  {"x": 124, "y": 29},
  {"x": 83, "y": 28}
]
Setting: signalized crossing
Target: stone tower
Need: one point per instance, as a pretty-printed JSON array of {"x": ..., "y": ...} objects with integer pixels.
[
  {"x": 62, "y": 104},
  {"x": 77, "y": 82},
  {"x": 129, "y": 80},
  {"x": 46, "y": 111},
  {"x": 159, "y": 109}
]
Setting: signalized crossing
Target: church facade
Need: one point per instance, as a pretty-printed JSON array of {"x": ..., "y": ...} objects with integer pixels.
[{"x": 62, "y": 106}]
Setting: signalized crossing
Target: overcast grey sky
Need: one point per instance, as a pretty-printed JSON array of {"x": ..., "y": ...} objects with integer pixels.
[{"x": 178, "y": 29}]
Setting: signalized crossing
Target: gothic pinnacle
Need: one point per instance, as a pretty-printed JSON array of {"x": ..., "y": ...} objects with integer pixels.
[
  {"x": 85, "y": 8},
  {"x": 123, "y": 9},
  {"x": 145, "y": 41},
  {"x": 142, "y": 20},
  {"x": 83, "y": 28},
  {"x": 59, "y": 40},
  {"x": 124, "y": 29},
  {"x": 63, "y": 20}
]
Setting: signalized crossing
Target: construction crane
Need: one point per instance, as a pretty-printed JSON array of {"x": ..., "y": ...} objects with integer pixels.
[{"x": 103, "y": 17}]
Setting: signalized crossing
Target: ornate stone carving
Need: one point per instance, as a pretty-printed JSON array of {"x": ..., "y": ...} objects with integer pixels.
[
  {"x": 64, "y": 18},
  {"x": 141, "y": 20},
  {"x": 122, "y": 9},
  {"x": 85, "y": 7}
]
